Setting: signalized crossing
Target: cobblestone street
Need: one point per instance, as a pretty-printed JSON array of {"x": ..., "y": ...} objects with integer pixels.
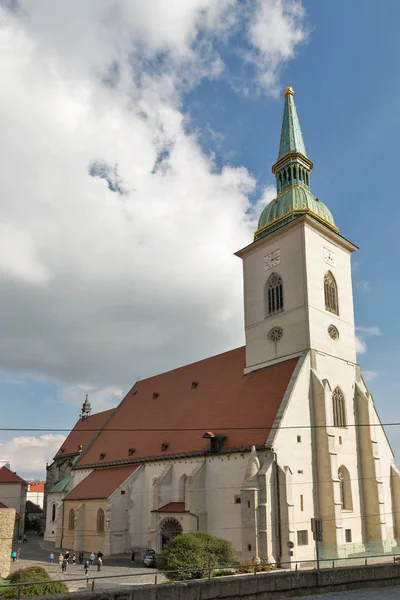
[{"x": 36, "y": 552}]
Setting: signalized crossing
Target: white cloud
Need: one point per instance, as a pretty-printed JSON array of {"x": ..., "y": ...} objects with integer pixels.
[
  {"x": 29, "y": 454},
  {"x": 124, "y": 229},
  {"x": 276, "y": 29},
  {"x": 99, "y": 398},
  {"x": 361, "y": 346},
  {"x": 370, "y": 376},
  {"x": 374, "y": 330},
  {"x": 364, "y": 286},
  {"x": 361, "y": 333}
]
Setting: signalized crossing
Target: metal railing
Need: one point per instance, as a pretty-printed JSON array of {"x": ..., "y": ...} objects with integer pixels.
[{"x": 249, "y": 568}]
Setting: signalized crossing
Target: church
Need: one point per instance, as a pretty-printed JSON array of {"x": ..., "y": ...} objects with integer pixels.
[{"x": 254, "y": 443}]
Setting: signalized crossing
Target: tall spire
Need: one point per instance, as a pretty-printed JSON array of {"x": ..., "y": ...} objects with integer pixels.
[
  {"x": 86, "y": 408},
  {"x": 291, "y": 136},
  {"x": 292, "y": 171},
  {"x": 292, "y": 166}
]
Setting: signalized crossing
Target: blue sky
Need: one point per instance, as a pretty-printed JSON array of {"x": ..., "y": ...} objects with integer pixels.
[{"x": 97, "y": 292}]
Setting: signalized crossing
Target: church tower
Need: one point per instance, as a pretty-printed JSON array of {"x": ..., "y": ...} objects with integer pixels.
[{"x": 297, "y": 272}]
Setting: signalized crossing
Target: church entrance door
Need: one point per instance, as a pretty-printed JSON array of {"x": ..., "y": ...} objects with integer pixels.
[{"x": 169, "y": 529}]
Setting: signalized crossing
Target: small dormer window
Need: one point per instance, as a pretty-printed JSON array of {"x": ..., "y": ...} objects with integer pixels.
[
  {"x": 131, "y": 451},
  {"x": 102, "y": 455},
  {"x": 216, "y": 441},
  {"x": 155, "y": 395},
  {"x": 194, "y": 385},
  {"x": 164, "y": 446}
]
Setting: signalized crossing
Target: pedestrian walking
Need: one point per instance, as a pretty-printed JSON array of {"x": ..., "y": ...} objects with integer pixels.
[
  {"x": 66, "y": 556},
  {"x": 18, "y": 553},
  {"x": 133, "y": 556},
  {"x": 86, "y": 567},
  {"x": 80, "y": 556},
  {"x": 99, "y": 563},
  {"x": 91, "y": 558},
  {"x": 24, "y": 539},
  {"x": 51, "y": 558},
  {"x": 64, "y": 565},
  {"x": 60, "y": 559},
  {"x": 74, "y": 559},
  {"x": 13, "y": 556}
]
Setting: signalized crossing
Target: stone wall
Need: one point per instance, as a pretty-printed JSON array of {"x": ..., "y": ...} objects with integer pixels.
[
  {"x": 7, "y": 521},
  {"x": 264, "y": 586}
]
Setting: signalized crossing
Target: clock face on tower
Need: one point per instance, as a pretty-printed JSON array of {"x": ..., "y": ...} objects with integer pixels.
[
  {"x": 272, "y": 259},
  {"x": 329, "y": 257}
]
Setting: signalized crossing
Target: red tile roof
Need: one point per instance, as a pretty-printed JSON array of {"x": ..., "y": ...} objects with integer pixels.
[
  {"x": 83, "y": 432},
  {"x": 36, "y": 486},
  {"x": 7, "y": 476},
  {"x": 172, "y": 507},
  {"x": 176, "y": 408},
  {"x": 101, "y": 483}
]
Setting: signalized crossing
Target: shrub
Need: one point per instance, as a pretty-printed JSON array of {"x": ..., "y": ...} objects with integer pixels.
[
  {"x": 32, "y": 574},
  {"x": 222, "y": 572},
  {"x": 254, "y": 565},
  {"x": 195, "y": 551}
]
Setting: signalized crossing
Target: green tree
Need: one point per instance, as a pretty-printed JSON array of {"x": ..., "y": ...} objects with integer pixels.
[
  {"x": 32, "y": 574},
  {"x": 195, "y": 551}
]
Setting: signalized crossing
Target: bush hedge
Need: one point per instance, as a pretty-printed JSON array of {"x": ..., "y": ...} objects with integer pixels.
[
  {"x": 196, "y": 551},
  {"x": 32, "y": 574}
]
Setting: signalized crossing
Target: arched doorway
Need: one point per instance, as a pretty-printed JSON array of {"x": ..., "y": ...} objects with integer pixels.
[{"x": 169, "y": 529}]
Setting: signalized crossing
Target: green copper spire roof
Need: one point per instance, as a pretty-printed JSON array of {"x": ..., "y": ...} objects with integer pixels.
[
  {"x": 292, "y": 171},
  {"x": 291, "y": 136}
]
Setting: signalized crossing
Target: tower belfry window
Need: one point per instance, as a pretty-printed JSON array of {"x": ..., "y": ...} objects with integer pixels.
[
  {"x": 339, "y": 408},
  {"x": 331, "y": 293},
  {"x": 273, "y": 295}
]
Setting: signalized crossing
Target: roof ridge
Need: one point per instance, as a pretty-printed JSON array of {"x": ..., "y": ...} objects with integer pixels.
[{"x": 201, "y": 360}]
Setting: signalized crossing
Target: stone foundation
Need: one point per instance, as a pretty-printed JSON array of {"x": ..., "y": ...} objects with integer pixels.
[{"x": 7, "y": 522}]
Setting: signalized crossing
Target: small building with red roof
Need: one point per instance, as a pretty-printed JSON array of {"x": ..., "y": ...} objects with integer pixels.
[{"x": 13, "y": 490}]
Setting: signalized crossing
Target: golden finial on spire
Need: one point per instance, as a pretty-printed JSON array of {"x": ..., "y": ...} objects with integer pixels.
[{"x": 288, "y": 92}]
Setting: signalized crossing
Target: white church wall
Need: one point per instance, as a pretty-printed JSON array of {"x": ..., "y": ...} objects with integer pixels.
[
  {"x": 292, "y": 443},
  {"x": 55, "y": 499},
  {"x": 344, "y": 447},
  {"x": 319, "y": 318},
  {"x": 383, "y": 460},
  {"x": 224, "y": 478},
  {"x": 293, "y": 319}
]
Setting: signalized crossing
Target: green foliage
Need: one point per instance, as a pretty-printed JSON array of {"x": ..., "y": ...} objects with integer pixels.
[
  {"x": 254, "y": 565},
  {"x": 195, "y": 551},
  {"x": 222, "y": 572},
  {"x": 32, "y": 574}
]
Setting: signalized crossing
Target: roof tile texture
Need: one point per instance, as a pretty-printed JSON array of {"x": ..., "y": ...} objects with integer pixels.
[
  {"x": 83, "y": 433},
  {"x": 225, "y": 401},
  {"x": 7, "y": 476},
  {"x": 101, "y": 483}
]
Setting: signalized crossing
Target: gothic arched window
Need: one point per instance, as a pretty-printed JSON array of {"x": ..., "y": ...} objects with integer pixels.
[
  {"x": 71, "y": 520},
  {"x": 100, "y": 521},
  {"x": 331, "y": 293},
  {"x": 345, "y": 488},
  {"x": 273, "y": 295},
  {"x": 53, "y": 512},
  {"x": 339, "y": 408}
]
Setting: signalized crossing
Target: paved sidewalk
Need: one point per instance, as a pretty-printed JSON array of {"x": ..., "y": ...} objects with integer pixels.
[{"x": 34, "y": 554}]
